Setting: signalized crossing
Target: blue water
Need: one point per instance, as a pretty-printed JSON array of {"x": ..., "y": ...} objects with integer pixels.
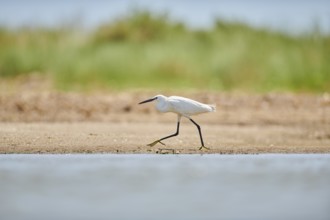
[
  {"x": 291, "y": 15},
  {"x": 105, "y": 186}
]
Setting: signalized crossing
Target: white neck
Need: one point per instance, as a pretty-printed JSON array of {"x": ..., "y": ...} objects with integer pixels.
[{"x": 162, "y": 105}]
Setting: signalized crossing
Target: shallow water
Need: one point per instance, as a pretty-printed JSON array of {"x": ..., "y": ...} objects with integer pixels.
[{"x": 105, "y": 186}]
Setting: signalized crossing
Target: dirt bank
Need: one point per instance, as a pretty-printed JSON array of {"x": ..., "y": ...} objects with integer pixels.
[{"x": 57, "y": 122}]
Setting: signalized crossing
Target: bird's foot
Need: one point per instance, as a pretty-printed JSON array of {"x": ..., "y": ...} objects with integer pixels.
[
  {"x": 154, "y": 143},
  {"x": 203, "y": 147}
]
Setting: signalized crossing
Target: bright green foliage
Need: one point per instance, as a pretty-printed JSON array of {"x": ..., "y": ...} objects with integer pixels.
[{"x": 148, "y": 51}]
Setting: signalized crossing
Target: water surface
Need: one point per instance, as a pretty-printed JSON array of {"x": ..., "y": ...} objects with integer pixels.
[{"x": 105, "y": 186}]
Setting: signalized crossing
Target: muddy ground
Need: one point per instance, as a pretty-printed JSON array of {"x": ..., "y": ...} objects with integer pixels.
[{"x": 113, "y": 122}]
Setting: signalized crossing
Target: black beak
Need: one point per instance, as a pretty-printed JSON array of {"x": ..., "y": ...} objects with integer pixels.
[{"x": 148, "y": 100}]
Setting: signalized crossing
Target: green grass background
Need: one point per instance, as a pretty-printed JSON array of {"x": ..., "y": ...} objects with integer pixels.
[{"x": 146, "y": 51}]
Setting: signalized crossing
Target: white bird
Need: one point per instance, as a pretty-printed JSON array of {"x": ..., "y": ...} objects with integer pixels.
[{"x": 182, "y": 107}]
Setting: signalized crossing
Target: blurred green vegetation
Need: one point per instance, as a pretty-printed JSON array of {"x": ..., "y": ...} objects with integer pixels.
[{"x": 143, "y": 50}]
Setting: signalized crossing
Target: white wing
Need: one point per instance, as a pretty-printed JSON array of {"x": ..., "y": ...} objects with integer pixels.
[{"x": 187, "y": 107}]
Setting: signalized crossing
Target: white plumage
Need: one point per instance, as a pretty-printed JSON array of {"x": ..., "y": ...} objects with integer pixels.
[
  {"x": 182, "y": 107},
  {"x": 188, "y": 107}
]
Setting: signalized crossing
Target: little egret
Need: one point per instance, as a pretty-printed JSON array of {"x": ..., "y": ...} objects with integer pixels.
[{"x": 182, "y": 107}]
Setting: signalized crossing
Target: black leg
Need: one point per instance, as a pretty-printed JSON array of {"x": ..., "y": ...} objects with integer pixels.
[
  {"x": 172, "y": 135},
  {"x": 200, "y": 134}
]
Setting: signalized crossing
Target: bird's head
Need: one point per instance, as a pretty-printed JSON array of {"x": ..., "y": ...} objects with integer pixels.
[{"x": 158, "y": 98}]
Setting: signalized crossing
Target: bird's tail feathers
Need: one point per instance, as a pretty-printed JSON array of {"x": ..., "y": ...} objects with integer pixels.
[{"x": 213, "y": 108}]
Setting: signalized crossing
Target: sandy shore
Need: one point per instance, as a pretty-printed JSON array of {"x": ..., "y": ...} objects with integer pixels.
[
  {"x": 99, "y": 137},
  {"x": 54, "y": 122}
]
